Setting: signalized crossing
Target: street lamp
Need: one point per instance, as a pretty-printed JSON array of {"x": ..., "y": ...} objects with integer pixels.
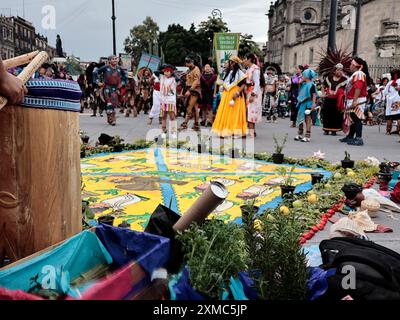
[
  {"x": 332, "y": 26},
  {"x": 113, "y": 17},
  {"x": 357, "y": 31},
  {"x": 216, "y": 12}
]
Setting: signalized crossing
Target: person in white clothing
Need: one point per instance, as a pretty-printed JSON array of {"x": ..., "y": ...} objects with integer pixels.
[
  {"x": 254, "y": 93},
  {"x": 155, "y": 109},
  {"x": 392, "y": 101},
  {"x": 168, "y": 100}
]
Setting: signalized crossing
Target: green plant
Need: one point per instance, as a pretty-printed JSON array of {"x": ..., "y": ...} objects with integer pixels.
[
  {"x": 286, "y": 174},
  {"x": 280, "y": 146},
  {"x": 347, "y": 156},
  {"x": 117, "y": 140},
  {"x": 279, "y": 266},
  {"x": 213, "y": 252}
]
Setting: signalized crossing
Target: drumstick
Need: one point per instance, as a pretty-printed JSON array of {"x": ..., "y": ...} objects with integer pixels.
[
  {"x": 20, "y": 60},
  {"x": 28, "y": 72}
]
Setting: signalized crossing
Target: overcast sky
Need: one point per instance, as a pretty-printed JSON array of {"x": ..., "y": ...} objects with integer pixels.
[{"x": 85, "y": 25}]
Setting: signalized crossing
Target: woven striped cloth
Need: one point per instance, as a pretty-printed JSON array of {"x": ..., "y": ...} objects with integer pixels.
[{"x": 54, "y": 94}]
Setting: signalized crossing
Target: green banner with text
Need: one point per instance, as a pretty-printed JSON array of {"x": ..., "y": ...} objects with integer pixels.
[{"x": 225, "y": 46}]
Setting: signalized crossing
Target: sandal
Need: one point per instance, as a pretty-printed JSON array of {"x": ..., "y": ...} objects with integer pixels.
[{"x": 196, "y": 127}]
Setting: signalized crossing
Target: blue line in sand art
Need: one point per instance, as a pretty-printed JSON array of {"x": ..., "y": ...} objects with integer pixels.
[{"x": 167, "y": 190}]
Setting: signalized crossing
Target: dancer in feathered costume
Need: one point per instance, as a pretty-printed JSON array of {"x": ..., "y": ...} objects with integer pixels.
[{"x": 334, "y": 68}]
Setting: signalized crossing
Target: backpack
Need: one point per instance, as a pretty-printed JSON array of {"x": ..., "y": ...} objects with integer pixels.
[{"x": 377, "y": 269}]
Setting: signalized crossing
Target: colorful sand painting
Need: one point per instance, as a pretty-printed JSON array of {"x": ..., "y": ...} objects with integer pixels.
[{"x": 130, "y": 185}]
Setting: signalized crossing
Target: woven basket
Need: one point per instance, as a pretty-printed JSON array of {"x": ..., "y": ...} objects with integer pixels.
[{"x": 372, "y": 206}]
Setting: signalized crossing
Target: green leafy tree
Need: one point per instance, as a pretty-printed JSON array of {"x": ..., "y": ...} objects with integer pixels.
[
  {"x": 248, "y": 45},
  {"x": 142, "y": 38},
  {"x": 211, "y": 26},
  {"x": 174, "y": 44}
]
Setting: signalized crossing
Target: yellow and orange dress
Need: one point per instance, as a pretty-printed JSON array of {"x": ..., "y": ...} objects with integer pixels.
[{"x": 231, "y": 120}]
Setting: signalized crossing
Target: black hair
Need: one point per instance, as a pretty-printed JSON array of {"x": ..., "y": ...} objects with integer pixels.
[
  {"x": 233, "y": 70},
  {"x": 300, "y": 67},
  {"x": 383, "y": 80},
  {"x": 252, "y": 57},
  {"x": 364, "y": 69}
]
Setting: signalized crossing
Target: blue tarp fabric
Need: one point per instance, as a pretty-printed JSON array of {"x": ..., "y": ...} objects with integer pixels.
[
  {"x": 124, "y": 245},
  {"x": 237, "y": 291},
  {"x": 317, "y": 284},
  {"x": 183, "y": 290},
  {"x": 66, "y": 262},
  {"x": 248, "y": 286}
]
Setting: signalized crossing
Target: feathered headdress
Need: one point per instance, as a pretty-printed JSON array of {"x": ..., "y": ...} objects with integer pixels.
[{"x": 333, "y": 59}]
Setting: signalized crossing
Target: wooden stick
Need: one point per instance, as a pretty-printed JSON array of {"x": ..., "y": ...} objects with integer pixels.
[
  {"x": 28, "y": 72},
  {"x": 20, "y": 60}
]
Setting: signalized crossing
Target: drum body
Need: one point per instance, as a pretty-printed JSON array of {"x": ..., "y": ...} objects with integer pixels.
[{"x": 40, "y": 188}]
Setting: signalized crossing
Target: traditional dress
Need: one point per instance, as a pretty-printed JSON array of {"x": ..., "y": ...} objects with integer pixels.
[
  {"x": 231, "y": 115},
  {"x": 269, "y": 99},
  {"x": 207, "y": 90},
  {"x": 145, "y": 92},
  {"x": 353, "y": 115},
  {"x": 392, "y": 101},
  {"x": 168, "y": 95},
  {"x": 332, "y": 111},
  {"x": 155, "y": 109},
  {"x": 304, "y": 106},
  {"x": 294, "y": 92},
  {"x": 113, "y": 80},
  {"x": 254, "y": 109}
]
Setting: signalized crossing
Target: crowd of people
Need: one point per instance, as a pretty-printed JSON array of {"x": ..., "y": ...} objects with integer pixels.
[{"x": 231, "y": 103}]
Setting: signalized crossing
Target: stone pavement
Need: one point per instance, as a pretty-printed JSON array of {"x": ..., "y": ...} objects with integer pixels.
[{"x": 377, "y": 144}]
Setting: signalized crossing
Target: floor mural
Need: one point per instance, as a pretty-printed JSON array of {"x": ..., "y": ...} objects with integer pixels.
[{"x": 130, "y": 185}]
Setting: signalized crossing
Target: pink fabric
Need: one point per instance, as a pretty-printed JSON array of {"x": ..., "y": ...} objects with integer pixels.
[
  {"x": 17, "y": 295},
  {"x": 117, "y": 285}
]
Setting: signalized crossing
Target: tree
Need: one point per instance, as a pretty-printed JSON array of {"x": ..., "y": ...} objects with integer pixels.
[
  {"x": 177, "y": 43},
  {"x": 211, "y": 26},
  {"x": 247, "y": 46},
  {"x": 142, "y": 38},
  {"x": 174, "y": 44}
]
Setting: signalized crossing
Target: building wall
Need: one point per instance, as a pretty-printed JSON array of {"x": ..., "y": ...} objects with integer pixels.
[
  {"x": 378, "y": 43},
  {"x": 6, "y": 38},
  {"x": 24, "y": 36}
]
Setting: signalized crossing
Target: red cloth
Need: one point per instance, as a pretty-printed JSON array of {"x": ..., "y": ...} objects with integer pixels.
[
  {"x": 395, "y": 195},
  {"x": 358, "y": 84},
  {"x": 156, "y": 86}
]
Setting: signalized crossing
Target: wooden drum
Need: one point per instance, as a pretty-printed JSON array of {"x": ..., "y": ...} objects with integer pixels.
[{"x": 40, "y": 188}]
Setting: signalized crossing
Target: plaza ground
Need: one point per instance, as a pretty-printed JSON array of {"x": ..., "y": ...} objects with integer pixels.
[{"x": 377, "y": 143}]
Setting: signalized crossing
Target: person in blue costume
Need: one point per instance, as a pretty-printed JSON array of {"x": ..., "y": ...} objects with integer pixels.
[{"x": 307, "y": 99}]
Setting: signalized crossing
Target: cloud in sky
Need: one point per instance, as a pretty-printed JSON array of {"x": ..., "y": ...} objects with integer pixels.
[{"x": 85, "y": 25}]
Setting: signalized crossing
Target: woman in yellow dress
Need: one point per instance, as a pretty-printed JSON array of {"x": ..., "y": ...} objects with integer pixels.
[{"x": 231, "y": 118}]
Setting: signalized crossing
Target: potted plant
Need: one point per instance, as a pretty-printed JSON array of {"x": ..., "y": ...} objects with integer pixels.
[
  {"x": 85, "y": 138},
  {"x": 117, "y": 144},
  {"x": 249, "y": 211},
  {"x": 107, "y": 219},
  {"x": 316, "y": 178},
  {"x": 278, "y": 157},
  {"x": 287, "y": 186},
  {"x": 347, "y": 163}
]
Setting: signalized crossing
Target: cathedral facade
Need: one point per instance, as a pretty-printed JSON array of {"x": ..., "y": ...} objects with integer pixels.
[{"x": 298, "y": 31}]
